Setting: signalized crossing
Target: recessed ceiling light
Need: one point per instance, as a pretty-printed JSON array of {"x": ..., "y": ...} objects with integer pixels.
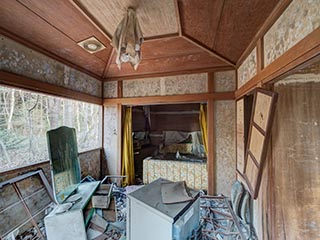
[{"x": 91, "y": 45}]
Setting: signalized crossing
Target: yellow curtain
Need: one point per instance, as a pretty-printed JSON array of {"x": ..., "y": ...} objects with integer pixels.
[
  {"x": 203, "y": 126},
  {"x": 127, "y": 149}
]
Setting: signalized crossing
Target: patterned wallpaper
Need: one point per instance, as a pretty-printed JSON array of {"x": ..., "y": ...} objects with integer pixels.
[
  {"x": 110, "y": 89},
  {"x": 248, "y": 68},
  {"x": 298, "y": 20},
  {"x": 111, "y": 137},
  {"x": 225, "y": 81},
  {"x": 225, "y": 155},
  {"x": 90, "y": 163},
  {"x": 18, "y": 59},
  {"x": 162, "y": 86}
]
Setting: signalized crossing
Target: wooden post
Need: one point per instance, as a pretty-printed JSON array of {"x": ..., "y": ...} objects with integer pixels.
[{"x": 211, "y": 146}]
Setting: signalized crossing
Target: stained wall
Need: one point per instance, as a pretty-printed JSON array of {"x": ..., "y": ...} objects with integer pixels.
[
  {"x": 21, "y": 60},
  {"x": 296, "y": 156},
  {"x": 112, "y": 138},
  {"x": 225, "y": 134}
]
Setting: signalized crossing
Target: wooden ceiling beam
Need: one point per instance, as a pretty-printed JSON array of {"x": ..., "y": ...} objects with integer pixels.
[
  {"x": 208, "y": 50},
  {"x": 165, "y": 74},
  {"x": 185, "y": 98},
  {"x": 18, "y": 81},
  {"x": 108, "y": 63},
  {"x": 176, "y": 5}
]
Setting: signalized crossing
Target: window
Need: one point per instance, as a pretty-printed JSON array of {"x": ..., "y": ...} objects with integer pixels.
[{"x": 26, "y": 116}]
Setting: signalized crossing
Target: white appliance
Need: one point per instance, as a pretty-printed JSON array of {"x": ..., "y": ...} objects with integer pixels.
[{"x": 148, "y": 218}]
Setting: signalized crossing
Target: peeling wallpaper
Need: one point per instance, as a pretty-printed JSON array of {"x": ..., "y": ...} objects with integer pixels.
[
  {"x": 298, "y": 20},
  {"x": 248, "y": 68},
  {"x": 110, "y": 89},
  {"x": 18, "y": 59},
  {"x": 225, "y": 156},
  {"x": 162, "y": 86},
  {"x": 225, "y": 81}
]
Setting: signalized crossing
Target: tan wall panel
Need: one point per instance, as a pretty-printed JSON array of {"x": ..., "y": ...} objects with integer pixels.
[
  {"x": 225, "y": 156},
  {"x": 299, "y": 19}
]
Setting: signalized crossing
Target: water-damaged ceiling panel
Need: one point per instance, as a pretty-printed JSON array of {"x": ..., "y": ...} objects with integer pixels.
[{"x": 156, "y": 17}]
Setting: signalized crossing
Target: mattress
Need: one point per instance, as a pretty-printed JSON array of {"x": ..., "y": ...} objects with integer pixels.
[{"x": 194, "y": 173}]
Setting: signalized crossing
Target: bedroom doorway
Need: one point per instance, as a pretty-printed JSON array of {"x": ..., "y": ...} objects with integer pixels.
[{"x": 167, "y": 134}]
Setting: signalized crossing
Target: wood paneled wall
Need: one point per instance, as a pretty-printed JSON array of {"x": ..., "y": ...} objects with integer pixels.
[{"x": 296, "y": 158}]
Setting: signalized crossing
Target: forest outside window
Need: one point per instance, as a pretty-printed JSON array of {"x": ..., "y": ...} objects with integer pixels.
[{"x": 25, "y": 117}]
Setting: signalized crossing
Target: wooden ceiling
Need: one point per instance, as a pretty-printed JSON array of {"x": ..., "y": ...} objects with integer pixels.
[{"x": 182, "y": 36}]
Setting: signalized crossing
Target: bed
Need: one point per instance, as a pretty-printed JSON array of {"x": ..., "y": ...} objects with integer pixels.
[{"x": 179, "y": 162}]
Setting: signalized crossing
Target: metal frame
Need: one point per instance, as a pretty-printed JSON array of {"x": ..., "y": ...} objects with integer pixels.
[{"x": 14, "y": 182}]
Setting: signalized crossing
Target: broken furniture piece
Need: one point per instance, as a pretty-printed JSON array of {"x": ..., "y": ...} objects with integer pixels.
[
  {"x": 225, "y": 219},
  {"x": 24, "y": 201},
  {"x": 149, "y": 218},
  {"x": 70, "y": 218}
]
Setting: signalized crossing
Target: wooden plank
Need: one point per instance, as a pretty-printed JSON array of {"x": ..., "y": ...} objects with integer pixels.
[
  {"x": 260, "y": 55},
  {"x": 119, "y": 87},
  {"x": 295, "y": 158},
  {"x": 211, "y": 149},
  {"x": 240, "y": 135},
  {"x": 165, "y": 74},
  {"x": 202, "y": 97},
  {"x": 271, "y": 19},
  {"x": 240, "y": 21},
  {"x": 303, "y": 51},
  {"x": 110, "y": 59},
  {"x": 176, "y": 7},
  {"x": 211, "y": 82},
  {"x": 119, "y": 149},
  {"x": 34, "y": 85},
  {"x": 167, "y": 64}
]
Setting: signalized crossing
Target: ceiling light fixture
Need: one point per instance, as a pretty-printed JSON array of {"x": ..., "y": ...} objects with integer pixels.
[
  {"x": 91, "y": 45},
  {"x": 127, "y": 40}
]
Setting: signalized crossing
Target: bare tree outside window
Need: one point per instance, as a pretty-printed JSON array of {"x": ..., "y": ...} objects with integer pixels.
[{"x": 25, "y": 117}]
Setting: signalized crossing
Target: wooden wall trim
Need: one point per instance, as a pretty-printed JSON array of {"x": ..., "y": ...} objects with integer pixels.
[
  {"x": 186, "y": 98},
  {"x": 273, "y": 17},
  {"x": 260, "y": 56},
  {"x": 176, "y": 5},
  {"x": 168, "y": 74},
  {"x": 14, "y": 80},
  {"x": 211, "y": 82},
  {"x": 47, "y": 53},
  {"x": 119, "y": 126},
  {"x": 305, "y": 50},
  {"x": 211, "y": 165},
  {"x": 106, "y": 69},
  {"x": 119, "y": 89}
]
